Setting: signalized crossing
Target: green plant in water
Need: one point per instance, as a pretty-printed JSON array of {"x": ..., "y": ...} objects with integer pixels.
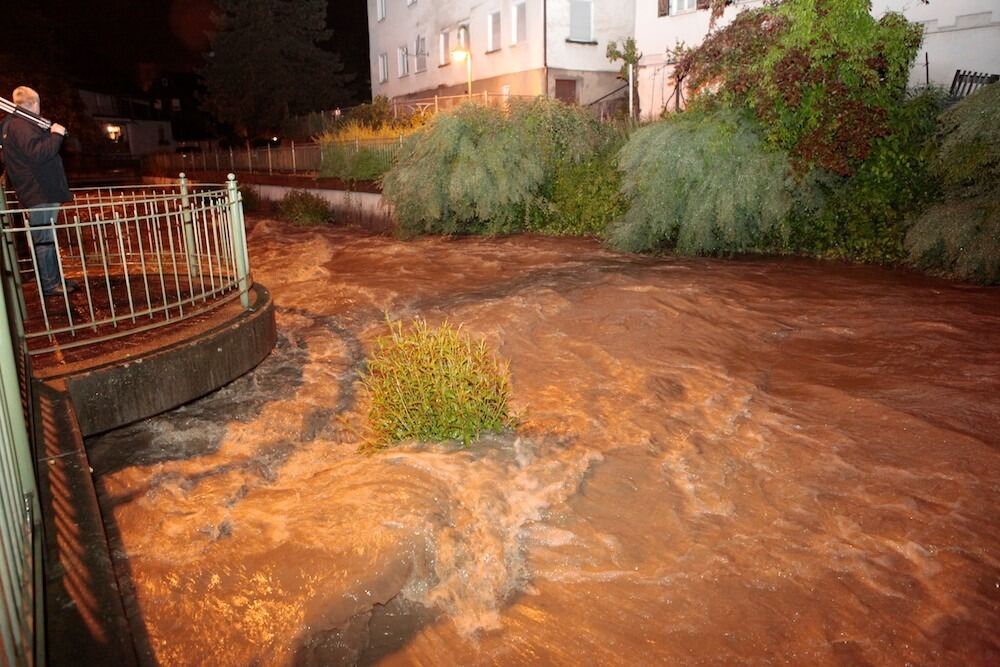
[
  {"x": 304, "y": 208},
  {"x": 433, "y": 384}
]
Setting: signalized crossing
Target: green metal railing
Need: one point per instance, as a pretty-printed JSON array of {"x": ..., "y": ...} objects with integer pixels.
[
  {"x": 20, "y": 529},
  {"x": 140, "y": 257}
]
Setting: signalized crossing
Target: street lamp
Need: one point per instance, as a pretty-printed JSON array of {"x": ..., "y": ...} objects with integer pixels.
[{"x": 465, "y": 55}]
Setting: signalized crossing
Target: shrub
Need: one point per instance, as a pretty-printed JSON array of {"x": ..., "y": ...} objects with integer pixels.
[
  {"x": 580, "y": 198},
  {"x": 822, "y": 76},
  {"x": 251, "y": 199},
  {"x": 702, "y": 183},
  {"x": 434, "y": 384},
  {"x": 960, "y": 236},
  {"x": 968, "y": 162},
  {"x": 486, "y": 170},
  {"x": 865, "y": 215},
  {"x": 304, "y": 208},
  {"x": 350, "y": 162}
]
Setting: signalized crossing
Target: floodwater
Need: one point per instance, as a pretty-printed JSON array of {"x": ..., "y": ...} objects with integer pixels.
[{"x": 747, "y": 462}]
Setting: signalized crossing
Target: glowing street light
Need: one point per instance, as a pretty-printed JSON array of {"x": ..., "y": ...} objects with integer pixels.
[{"x": 460, "y": 55}]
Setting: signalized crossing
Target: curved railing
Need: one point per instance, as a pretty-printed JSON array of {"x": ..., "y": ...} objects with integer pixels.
[{"x": 140, "y": 257}]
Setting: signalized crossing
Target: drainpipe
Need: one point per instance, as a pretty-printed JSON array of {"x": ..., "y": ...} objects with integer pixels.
[{"x": 545, "y": 44}]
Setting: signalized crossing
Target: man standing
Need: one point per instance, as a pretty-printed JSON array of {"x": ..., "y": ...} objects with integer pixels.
[{"x": 36, "y": 172}]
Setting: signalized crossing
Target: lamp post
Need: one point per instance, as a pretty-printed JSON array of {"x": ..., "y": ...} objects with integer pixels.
[{"x": 465, "y": 55}]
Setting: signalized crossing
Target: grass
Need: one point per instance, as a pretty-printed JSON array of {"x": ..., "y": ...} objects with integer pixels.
[{"x": 434, "y": 384}]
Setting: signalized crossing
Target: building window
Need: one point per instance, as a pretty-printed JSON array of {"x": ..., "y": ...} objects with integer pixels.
[
  {"x": 493, "y": 32},
  {"x": 404, "y": 60},
  {"x": 671, "y": 7},
  {"x": 380, "y": 9},
  {"x": 444, "y": 49},
  {"x": 383, "y": 67},
  {"x": 518, "y": 23},
  {"x": 420, "y": 51},
  {"x": 581, "y": 21},
  {"x": 464, "y": 39}
]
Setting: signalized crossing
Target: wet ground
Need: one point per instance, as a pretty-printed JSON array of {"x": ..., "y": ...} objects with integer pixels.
[{"x": 718, "y": 462}]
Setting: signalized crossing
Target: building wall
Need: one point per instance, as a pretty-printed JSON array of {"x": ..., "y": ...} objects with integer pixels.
[
  {"x": 959, "y": 34},
  {"x": 514, "y": 65},
  {"x": 427, "y": 18},
  {"x": 613, "y": 20}
]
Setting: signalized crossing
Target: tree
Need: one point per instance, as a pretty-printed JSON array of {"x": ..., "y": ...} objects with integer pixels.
[
  {"x": 266, "y": 65},
  {"x": 629, "y": 55}
]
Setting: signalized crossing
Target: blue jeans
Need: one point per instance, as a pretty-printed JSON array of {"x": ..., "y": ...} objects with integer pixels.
[{"x": 44, "y": 241}]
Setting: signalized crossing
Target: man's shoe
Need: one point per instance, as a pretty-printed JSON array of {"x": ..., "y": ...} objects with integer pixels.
[{"x": 71, "y": 286}]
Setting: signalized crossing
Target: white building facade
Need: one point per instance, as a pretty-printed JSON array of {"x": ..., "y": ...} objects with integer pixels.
[
  {"x": 958, "y": 34},
  {"x": 554, "y": 48}
]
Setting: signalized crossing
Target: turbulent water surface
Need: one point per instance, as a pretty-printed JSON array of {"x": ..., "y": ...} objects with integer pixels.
[{"x": 717, "y": 462}]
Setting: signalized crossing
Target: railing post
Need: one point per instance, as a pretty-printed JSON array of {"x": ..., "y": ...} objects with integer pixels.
[
  {"x": 11, "y": 391},
  {"x": 293, "y": 156},
  {"x": 13, "y": 275},
  {"x": 239, "y": 240},
  {"x": 269, "y": 168},
  {"x": 189, "y": 247}
]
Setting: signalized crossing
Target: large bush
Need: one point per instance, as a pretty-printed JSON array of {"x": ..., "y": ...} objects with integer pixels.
[
  {"x": 487, "y": 170},
  {"x": 434, "y": 384},
  {"x": 822, "y": 76},
  {"x": 703, "y": 183},
  {"x": 865, "y": 216},
  {"x": 960, "y": 235}
]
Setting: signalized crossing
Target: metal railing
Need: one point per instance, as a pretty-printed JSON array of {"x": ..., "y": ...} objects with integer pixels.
[
  {"x": 20, "y": 531},
  {"x": 296, "y": 158},
  {"x": 129, "y": 259},
  {"x": 425, "y": 105}
]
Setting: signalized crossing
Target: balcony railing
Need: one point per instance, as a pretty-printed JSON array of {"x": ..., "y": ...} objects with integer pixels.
[{"x": 140, "y": 258}]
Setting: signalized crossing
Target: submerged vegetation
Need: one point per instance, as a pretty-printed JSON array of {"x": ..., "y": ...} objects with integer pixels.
[{"x": 433, "y": 384}]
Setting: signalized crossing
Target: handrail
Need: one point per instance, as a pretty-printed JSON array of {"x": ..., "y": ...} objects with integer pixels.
[{"x": 141, "y": 257}]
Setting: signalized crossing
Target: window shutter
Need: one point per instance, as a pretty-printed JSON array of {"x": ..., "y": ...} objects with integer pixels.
[
  {"x": 579, "y": 20},
  {"x": 663, "y": 8}
]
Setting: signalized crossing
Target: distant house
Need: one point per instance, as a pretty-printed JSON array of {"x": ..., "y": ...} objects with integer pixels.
[
  {"x": 553, "y": 48},
  {"x": 131, "y": 126},
  {"x": 958, "y": 34}
]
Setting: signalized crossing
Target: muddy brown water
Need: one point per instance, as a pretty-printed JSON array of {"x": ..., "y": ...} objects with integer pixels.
[{"x": 754, "y": 462}]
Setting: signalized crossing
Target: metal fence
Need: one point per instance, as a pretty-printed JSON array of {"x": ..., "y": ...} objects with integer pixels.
[
  {"x": 131, "y": 259},
  {"x": 292, "y": 159},
  {"x": 313, "y": 158},
  {"x": 20, "y": 530}
]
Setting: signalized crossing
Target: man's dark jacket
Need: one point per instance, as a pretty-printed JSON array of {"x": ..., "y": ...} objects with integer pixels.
[{"x": 34, "y": 167}]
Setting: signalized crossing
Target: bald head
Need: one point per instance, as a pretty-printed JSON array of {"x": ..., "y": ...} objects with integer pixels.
[{"x": 27, "y": 98}]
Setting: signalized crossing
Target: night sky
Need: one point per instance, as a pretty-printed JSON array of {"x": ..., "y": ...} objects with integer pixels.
[{"x": 101, "y": 43}]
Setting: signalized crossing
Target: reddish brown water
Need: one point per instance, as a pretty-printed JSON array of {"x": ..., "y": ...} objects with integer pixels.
[{"x": 718, "y": 462}]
